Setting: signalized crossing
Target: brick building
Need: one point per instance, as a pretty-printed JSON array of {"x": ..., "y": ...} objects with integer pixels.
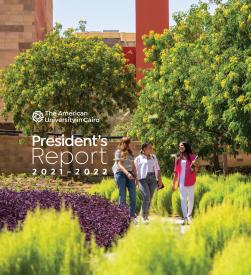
[
  {"x": 21, "y": 23},
  {"x": 126, "y": 39}
]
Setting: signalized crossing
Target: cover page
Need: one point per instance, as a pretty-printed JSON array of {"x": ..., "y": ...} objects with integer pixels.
[{"x": 125, "y": 137}]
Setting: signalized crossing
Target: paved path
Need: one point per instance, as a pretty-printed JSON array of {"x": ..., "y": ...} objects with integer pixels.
[{"x": 172, "y": 220}]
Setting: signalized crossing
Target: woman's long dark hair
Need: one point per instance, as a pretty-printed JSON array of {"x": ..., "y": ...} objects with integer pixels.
[
  {"x": 144, "y": 146},
  {"x": 188, "y": 150}
]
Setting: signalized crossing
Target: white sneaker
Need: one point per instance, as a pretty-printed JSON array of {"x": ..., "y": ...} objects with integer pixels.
[
  {"x": 135, "y": 220},
  {"x": 185, "y": 221},
  {"x": 145, "y": 220},
  {"x": 189, "y": 220}
]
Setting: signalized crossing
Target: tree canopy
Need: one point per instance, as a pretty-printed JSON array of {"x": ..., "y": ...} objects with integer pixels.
[
  {"x": 199, "y": 87},
  {"x": 68, "y": 73}
]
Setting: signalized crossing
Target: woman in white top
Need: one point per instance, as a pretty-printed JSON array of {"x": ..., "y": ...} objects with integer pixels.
[{"x": 148, "y": 173}]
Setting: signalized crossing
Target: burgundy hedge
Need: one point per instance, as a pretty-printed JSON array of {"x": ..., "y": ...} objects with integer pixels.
[{"x": 96, "y": 215}]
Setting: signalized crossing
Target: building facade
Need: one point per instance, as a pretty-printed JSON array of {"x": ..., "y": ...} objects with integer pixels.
[
  {"x": 150, "y": 16},
  {"x": 21, "y": 23}
]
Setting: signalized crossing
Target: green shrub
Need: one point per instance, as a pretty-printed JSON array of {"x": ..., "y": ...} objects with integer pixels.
[
  {"x": 144, "y": 250},
  {"x": 49, "y": 243},
  {"x": 104, "y": 189},
  {"x": 219, "y": 225},
  {"x": 241, "y": 197},
  {"x": 210, "y": 190},
  {"x": 164, "y": 200},
  {"x": 208, "y": 236},
  {"x": 217, "y": 193},
  {"x": 206, "y": 179},
  {"x": 200, "y": 190},
  {"x": 235, "y": 258},
  {"x": 115, "y": 196},
  {"x": 211, "y": 199},
  {"x": 160, "y": 248},
  {"x": 176, "y": 205},
  {"x": 237, "y": 177}
]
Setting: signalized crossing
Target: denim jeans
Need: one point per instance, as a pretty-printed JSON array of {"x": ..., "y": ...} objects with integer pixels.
[
  {"x": 147, "y": 187},
  {"x": 123, "y": 182}
]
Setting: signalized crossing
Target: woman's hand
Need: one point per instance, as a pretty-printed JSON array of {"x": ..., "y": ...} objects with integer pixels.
[
  {"x": 195, "y": 162},
  {"x": 130, "y": 176},
  {"x": 174, "y": 181},
  {"x": 173, "y": 187},
  {"x": 160, "y": 183}
]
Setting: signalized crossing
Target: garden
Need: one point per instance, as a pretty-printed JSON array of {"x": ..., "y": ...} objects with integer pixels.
[
  {"x": 198, "y": 89},
  {"x": 50, "y": 231}
]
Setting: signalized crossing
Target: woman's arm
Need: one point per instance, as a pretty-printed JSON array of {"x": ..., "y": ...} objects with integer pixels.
[
  {"x": 160, "y": 178},
  {"x": 123, "y": 169},
  {"x": 195, "y": 162},
  {"x": 175, "y": 177},
  {"x": 195, "y": 159},
  {"x": 158, "y": 171},
  {"x": 134, "y": 170},
  {"x": 135, "y": 173}
]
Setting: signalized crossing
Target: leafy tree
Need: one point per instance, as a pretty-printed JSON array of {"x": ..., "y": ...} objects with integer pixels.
[
  {"x": 82, "y": 25},
  {"x": 68, "y": 73},
  {"x": 229, "y": 100},
  {"x": 180, "y": 96},
  {"x": 122, "y": 124}
]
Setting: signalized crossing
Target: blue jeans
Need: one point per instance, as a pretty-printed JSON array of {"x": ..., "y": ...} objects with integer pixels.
[
  {"x": 147, "y": 187},
  {"x": 123, "y": 182}
]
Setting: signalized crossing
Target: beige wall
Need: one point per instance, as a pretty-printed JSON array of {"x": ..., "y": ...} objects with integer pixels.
[
  {"x": 17, "y": 158},
  {"x": 17, "y": 28},
  {"x": 21, "y": 23},
  {"x": 242, "y": 159}
]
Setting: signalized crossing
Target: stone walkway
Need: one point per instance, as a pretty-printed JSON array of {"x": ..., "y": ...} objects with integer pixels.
[{"x": 177, "y": 221}]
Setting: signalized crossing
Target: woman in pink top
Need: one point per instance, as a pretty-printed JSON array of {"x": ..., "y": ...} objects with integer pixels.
[{"x": 185, "y": 173}]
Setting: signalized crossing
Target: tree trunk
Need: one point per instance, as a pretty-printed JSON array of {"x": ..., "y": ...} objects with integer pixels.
[
  {"x": 225, "y": 164},
  {"x": 216, "y": 162}
]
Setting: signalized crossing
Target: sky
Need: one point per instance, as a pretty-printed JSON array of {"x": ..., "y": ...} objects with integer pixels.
[{"x": 105, "y": 14}]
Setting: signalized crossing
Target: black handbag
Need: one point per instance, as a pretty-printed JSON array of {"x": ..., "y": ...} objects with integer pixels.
[{"x": 160, "y": 186}]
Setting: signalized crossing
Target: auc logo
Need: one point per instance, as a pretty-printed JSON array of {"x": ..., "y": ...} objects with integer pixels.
[{"x": 37, "y": 116}]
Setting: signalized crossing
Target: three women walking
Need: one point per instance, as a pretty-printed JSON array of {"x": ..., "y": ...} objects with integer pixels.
[{"x": 144, "y": 170}]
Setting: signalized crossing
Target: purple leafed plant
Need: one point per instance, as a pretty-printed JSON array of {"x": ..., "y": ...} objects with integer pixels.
[{"x": 96, "y": 215}]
